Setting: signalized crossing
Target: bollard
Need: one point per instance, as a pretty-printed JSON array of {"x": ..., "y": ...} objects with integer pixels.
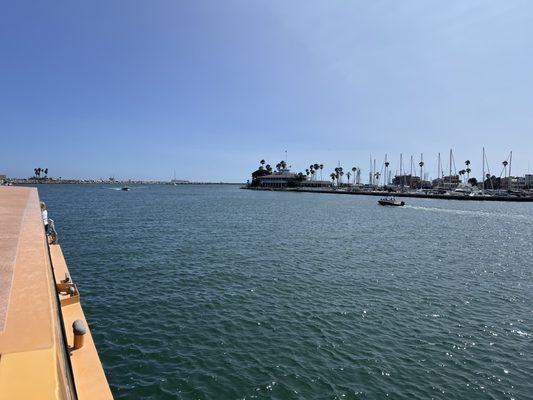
[{"x": 79, "y": 332}]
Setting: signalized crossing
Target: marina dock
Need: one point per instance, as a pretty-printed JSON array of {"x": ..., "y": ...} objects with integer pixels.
[
  {"x": 381, "y": 193},
  {"x": 39, "y": 356}
]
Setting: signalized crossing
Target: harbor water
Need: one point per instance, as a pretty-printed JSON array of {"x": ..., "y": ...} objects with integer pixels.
[{"x": 212, "y": 292}]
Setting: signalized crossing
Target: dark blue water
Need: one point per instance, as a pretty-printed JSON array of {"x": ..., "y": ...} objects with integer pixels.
[{"x": 212, "y": 292}]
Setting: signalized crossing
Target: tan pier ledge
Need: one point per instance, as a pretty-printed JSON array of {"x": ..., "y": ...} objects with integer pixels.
[{"x": 35, "y": 319}]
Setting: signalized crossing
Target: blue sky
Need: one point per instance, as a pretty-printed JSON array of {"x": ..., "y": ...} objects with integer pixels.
[{"x": 140, "y": 88}]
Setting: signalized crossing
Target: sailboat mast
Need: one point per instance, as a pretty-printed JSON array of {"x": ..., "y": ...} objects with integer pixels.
[
  {"x": 376, "y": 182},
  {"x": 401, "y": 176},
  {"x": 450, "y": 168},
  {"x": 370, "y": 181},
  {"x": 421, "y": 165},
  {"x": 483, "y": 176},
  {"x": 510, "y": 163},
  {"x": 386, "y": 181},
  {"x": 438, "y": 171},
  {"x": 411, "y": 173}
]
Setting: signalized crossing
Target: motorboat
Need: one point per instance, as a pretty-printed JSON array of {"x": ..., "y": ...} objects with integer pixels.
[
  {"x": 125, "y": 188},
  {"x": 390, "y": 201}
]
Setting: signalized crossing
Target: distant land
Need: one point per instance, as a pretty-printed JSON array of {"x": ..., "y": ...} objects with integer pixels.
[{"x": 60, "y": 181}]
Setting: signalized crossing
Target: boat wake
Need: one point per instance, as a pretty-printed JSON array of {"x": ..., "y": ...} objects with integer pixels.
[
  {"x": 122, "y": 189},
  {"x": 470, "y": 212}
]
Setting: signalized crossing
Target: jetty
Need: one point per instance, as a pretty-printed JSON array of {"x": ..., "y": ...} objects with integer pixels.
[{"x": 46, "y": 347}]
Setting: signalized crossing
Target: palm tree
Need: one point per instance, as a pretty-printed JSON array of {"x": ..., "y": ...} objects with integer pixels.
[
  {"x": 307, "y": 171},
  {"x": 468, "y": 170},
  {"x": 321, "y": 166},
  {"x": 341, "y": 173},
  {"x": 262, "y": 162},
  {"x": 332, "y": 176},
  {"x": 283, "y": 164},
  {"x": 268, "y": 168},
  {"x": 315, "y": 168},
  {"x": 337, "y": 174},
  {"x": 461, "y": 173},
  {"x": 348, "y": 174},
  {"x": 421, "y": 164},
  {"x": 377, "y": 175},
  {"x": 505, "y": 168},
  {"x": 490, "y": 180},
  {"x": 46, "y": 172}
]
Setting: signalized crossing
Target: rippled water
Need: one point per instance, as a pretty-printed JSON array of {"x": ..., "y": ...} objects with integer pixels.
[{"x": 213, "y": 292}]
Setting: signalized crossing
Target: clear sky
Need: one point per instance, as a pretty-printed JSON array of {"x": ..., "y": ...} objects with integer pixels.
[{"x": 208, "y": 88}]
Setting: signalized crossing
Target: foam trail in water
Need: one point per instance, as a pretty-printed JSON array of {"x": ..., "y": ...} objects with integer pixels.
[{"x": 470, "y": 212}]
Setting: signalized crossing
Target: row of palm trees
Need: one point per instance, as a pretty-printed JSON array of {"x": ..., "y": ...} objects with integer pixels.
[
  {"x": 464, "y": 172},
  {"x": 313, "y": 170},
  {"x": 338, "y": 174},
  {"x": 281, "y": 166},
  {"x": 467, "y": 171},
  {"x": 38, "y": 171}
]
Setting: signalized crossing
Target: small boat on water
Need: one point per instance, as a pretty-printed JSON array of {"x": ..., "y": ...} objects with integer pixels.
[
  {"x": 125, "y": 188},
  {"x": 390, "y": 201}
]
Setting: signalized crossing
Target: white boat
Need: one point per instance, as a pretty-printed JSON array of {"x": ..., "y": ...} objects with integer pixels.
[{"x": 464, "y": 189}]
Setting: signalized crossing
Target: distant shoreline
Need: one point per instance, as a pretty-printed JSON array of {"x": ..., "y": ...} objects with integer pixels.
[{"x": 17, "y": 181}]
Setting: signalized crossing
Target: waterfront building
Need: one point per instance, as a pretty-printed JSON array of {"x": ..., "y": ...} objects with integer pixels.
[
  {"x": 315, "y": 184},
  {"x": 279, "y": 179},
  {"x": 447, "y": 182},
  {"x": 513, "y": 183},
  {"x": 409, "y": 181},
  {"x": 528, "y": 181},
  {"x": 286, "y": 178}
]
